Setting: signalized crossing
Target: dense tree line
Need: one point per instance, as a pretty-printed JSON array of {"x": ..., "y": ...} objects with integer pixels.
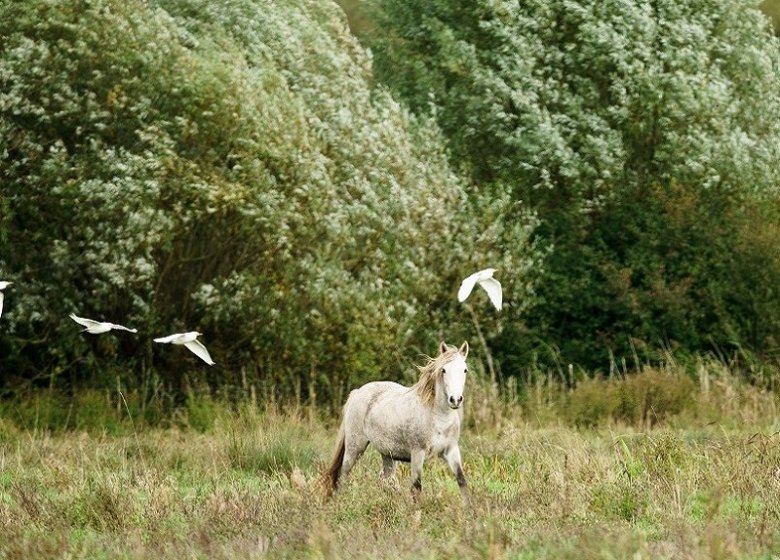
[
  {"x": 310, "y": 201},
  {"x": 644, "y": 134}
]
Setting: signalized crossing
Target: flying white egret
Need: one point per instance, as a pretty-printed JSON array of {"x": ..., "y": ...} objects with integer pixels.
[
  {"x": 3, "y": 285},
  {"x": 486, "y": 281},
  {"x": 188, "y": 339},
  {"x": 98, "y": 327}
]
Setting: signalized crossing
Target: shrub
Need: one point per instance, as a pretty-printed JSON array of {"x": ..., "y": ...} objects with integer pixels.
[
  {"x": 644, "y": 399},
  {"x": 592, "y": 402},
  {"x": 652, "y": 396}
]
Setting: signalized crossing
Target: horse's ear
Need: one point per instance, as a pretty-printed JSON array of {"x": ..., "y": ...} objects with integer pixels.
[
  {"x": 442, "y": 347},
  {"x": 464, "y": 349}
]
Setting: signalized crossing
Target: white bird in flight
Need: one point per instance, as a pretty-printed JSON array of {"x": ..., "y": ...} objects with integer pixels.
[
  {"x": 189, "y": 339},
  {"x": 98, "y": 327},
  {"x": 3, "y": 285},
  {"x": 486, "y": 281}
]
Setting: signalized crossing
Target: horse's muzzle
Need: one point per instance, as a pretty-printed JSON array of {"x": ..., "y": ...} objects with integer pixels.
[{"x": 455, "y": 402}]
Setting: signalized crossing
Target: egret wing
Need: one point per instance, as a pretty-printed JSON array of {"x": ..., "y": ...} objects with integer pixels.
[
  {"x": 466, "y": 286},
  {"x": 123, "y": 328},
  {"x": 84, "y": 322},
  {"x": 167, "y": 339},
  {"x": 200, "y": 351},
  {"x": 494, "y": 291}
]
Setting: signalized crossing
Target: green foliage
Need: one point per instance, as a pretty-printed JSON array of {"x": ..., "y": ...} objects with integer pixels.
[
  {"x": 274, "y": 450},
  {"x": 618, "y": 502},
  {"x": 202, "y": 412},
  {"x": 644, "y": 134},
  {"x": 228, "y": 168},
  {"x": 85, "y": 410}
]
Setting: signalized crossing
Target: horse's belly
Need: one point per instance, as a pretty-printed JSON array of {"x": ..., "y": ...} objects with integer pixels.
[
  {"x": 394, "y": 431},
  {"x": 396, "y": 453},
  {"x": 398, "y": 446},
  {"x": 396, "y": 441}
]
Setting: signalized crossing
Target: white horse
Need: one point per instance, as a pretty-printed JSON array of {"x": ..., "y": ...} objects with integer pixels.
[{"x": 406, "y": 423}]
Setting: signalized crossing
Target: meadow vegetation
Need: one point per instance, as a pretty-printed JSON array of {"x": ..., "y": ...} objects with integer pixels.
[{"x": 609, "y": 469}]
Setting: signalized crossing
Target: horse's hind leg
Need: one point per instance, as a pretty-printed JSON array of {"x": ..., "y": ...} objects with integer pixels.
[
  {"x": 354, "y": 446},
  {"x": 388, "y": 467}
]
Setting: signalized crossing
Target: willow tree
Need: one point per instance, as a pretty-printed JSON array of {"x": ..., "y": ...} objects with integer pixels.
[{"x": 227, "y": 167}]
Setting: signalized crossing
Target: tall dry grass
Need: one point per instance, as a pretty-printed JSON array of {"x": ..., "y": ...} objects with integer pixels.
[{"x": 659, "y": 472}]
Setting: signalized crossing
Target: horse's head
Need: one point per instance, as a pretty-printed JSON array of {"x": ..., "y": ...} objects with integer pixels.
[{"x": 453, "y": 373}]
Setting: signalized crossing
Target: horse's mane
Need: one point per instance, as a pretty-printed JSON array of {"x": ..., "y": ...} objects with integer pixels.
[{"x": 429, "y": 374}]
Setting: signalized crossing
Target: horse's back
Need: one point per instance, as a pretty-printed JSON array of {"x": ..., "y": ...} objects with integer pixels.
[
  {"x": 374, "y": 387},
  {"x": 363, "y": 398}
]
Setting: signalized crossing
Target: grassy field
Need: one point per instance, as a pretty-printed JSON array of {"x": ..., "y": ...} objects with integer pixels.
[{"x": 703, "y": 482}]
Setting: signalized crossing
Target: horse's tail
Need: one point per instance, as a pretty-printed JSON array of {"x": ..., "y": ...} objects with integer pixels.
[{"x": 334, "y": 470}]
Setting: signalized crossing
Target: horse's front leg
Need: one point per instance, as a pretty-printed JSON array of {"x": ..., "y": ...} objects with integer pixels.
[
  {"x": 416, "y": 463},
  {"x": 452, "y": 456}
]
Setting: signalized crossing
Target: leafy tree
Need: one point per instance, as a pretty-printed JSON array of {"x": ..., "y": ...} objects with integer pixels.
[
  {"x": 227, "y": 167},
  {"x": 645, "y": 134}
]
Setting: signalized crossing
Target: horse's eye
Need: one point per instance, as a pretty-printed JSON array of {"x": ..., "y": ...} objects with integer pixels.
[
  {"x": 443, "y": 370},
  {"x": 466, "y": 370}
]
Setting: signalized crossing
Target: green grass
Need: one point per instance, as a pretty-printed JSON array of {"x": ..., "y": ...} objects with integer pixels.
[{"x": 703, "y": 482}]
